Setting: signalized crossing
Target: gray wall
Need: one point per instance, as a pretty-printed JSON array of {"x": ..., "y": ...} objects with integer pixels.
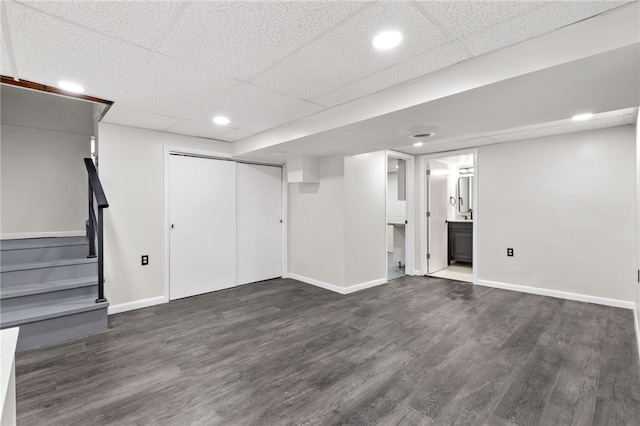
[
  {"x": 316, "y": 225},
  {"x": 44, "y": 184},
  {"x": 337, "y": 228},
  {"x": 566, "y": 204},
  {"x": 365, "y": 218},
  {"x": 637, "y": 285}
]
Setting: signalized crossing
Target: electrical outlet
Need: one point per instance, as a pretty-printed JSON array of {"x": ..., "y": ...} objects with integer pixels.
[
  {"x": 145, "y": 259},
  {"x": 510, "y": 252}
]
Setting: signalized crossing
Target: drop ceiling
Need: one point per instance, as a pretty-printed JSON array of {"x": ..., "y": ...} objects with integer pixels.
[
  {"x": 172, "y": 66},
  {"x": 606, "y": 84}
]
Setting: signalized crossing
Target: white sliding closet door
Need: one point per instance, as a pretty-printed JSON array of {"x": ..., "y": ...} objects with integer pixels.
[
  {"x": 203, "y": 225},
  {"x": 259, "y": 228}
]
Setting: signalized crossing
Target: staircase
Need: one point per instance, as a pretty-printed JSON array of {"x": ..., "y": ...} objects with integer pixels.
[{"x": 49, "y": 289}]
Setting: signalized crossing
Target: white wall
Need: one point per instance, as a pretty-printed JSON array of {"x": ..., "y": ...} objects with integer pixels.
[
  {"x": 637, "y": 285},
  {"x": 337, "y": 232},
  {"x": 132, "y": 172},
  {"x": 44, "y": 180},
  {"x": 316, "y": 224},
  {"x": 365, "y": 217},
  {"x": 565, "y": 204}
]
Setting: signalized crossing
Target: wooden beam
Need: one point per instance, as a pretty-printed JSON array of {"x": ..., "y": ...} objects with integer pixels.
[{"x": 50, "y": 89}]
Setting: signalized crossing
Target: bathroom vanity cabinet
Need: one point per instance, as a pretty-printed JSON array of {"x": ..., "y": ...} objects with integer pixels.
[{"x": 460, "y": 241}]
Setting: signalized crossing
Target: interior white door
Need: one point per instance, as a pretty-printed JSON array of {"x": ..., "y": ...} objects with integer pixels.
[
  {"x": 259, "y": 222},
  {"x": 437, "y": 220},
  {"x": 202, "y": 246}
]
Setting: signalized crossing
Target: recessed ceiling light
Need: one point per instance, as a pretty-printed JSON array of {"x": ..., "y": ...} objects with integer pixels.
[
  {"x": 68, "y": 86},
  {"x": 221, "y": 120},
  {"x": 582, "y": 117},
  {"x": 418, "y": 144},
  {"x": 387, "y": 40}
]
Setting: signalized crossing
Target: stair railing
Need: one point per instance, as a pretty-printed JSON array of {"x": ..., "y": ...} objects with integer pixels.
[{"x": 95, "y": 225}]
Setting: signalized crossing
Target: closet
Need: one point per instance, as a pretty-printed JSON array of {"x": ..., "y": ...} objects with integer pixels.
[{"x": 225, "y": 224}]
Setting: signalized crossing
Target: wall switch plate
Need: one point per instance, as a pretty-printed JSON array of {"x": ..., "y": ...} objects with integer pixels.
[
  {"x": 145, "y": 259},
  {"x": 510, "y": 252}
]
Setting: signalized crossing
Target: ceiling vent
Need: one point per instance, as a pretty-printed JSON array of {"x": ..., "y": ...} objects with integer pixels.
[{"x": 422, "y": 135}]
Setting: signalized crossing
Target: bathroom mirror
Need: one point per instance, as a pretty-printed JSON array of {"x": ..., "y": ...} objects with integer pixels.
[{"x": 465, "y": 194}]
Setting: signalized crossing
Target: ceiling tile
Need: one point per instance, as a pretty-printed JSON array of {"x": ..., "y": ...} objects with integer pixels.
[
  {"x": 49, "y": 50},
  {"x": 345, "y": 54},
  {"x": 465, "y": 17},
  {"x": 133, "y": 118},
  {"x": 552, "y": 16},
  {"x": 244, "y": 104},
  {"x": 235, "y": 135},
  {"x": 172, "y": 87},
  {"x": 241, "y": 38},
  {"x": 415, "y": 67},
  {"x": 194, "y": 128},
  {"x": 299, "y": 110},
  {"x": 139, "y": 22},
  {"x": 5, "y": 62}
]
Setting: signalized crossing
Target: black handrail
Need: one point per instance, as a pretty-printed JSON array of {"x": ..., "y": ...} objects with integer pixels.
[
  {"x": 95, "y": 225},
  {"x": 94, "y": 181}
]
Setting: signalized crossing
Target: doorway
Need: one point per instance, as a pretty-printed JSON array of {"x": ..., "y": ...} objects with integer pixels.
[
  {"x": 450, "y": 208},
  {"x": 399, "y": 206}
]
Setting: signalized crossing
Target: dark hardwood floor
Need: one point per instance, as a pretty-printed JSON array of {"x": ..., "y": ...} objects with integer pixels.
[{"x": 418, "y": 351}]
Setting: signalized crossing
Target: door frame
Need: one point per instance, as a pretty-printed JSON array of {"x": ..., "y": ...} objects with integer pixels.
[
  {"x": 422, "y": 207},
  {"x": 285, "y": 222},
  {"x": 410, "y": 229},
  {"x": 214, "y": 155}
]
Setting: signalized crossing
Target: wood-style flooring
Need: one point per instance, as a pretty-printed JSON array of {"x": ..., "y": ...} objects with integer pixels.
[{"x": 417, "y": 351}]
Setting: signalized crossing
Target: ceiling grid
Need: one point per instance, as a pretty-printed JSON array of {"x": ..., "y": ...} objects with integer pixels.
[{"x": 173, "y": 65}]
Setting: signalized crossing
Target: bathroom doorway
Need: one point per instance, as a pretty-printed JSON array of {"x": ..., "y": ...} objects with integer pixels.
[
  {"x": 450, "y": 209},
  {"x": 399, "y": 206}
]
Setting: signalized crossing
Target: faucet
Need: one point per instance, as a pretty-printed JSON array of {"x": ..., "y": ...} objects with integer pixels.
[{"x": 471, "y": 214}]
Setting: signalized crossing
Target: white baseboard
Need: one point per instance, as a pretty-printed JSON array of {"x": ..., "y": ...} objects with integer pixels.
[
  {"x": 417, "y": 273},
  {"x": 136, "y": 304},
  {"x": 317, "y": 283},
  {"x": 25, "y": 235},
  {"x": 335, "y": 288},
  {"x": 364, "y": 286},
  {"x": 559, "y": 294}
]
